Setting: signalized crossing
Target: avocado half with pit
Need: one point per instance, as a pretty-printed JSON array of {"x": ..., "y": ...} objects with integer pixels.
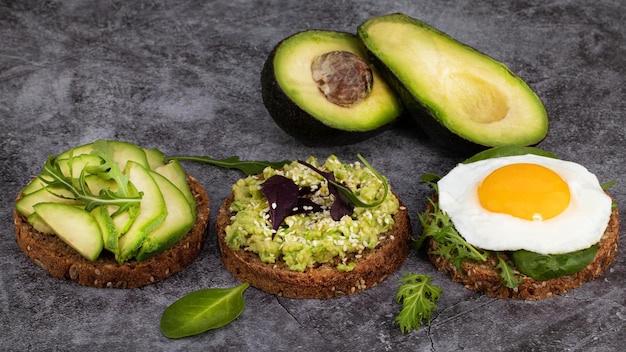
[
  {"x": 318, "y": 87},
  {"x": 459, "y": 96}
]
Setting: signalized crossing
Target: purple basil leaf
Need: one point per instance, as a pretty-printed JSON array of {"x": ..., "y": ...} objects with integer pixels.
[
  {"x": 282, "y": 196},
  {"x": 342, "y": 205},
  {"x": 304, "y": 191}
]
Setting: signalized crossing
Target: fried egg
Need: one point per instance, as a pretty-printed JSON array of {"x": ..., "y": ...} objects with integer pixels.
[{"x": 531, "y": 202}]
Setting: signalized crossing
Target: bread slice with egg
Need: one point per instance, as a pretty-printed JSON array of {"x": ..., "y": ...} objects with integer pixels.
[
  {"x": 484, "y": 277},
  {"x": 518, "y": 222},
  {"x": 322, "y": 281},
  {"x": 61, "y": 261}
]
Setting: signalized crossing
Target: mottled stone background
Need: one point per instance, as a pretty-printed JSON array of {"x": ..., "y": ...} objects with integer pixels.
[{"x": 183, "y": 76}]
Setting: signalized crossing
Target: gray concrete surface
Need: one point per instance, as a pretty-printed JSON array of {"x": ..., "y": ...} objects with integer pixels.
[{"x": 183, "y": 76}]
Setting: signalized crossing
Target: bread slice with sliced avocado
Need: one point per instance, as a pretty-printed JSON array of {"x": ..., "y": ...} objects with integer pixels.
[
  {"x": 312, "y": 253},
  {"x": 125, "y": 219}
]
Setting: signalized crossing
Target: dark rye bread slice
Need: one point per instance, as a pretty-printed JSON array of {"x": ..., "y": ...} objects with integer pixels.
[
  {"x": 483, "y": 277},
  {"x": 322, "y": 281},
  {"x": 61, "y": 261}
]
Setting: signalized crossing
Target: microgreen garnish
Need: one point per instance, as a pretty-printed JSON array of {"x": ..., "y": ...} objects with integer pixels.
[
  {"x": 507, "y": 274},
  {"x": 53, "y": 176},
  {"x": 438, "y": 225},
  {"x": 248, "y": 167},
  {"x": 418, "y": 298},
  {"x": 110, "y": 170}
]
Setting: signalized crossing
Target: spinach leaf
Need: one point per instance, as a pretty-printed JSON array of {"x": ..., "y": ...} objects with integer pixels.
[
  {"x": 549, "y": 266},
  {"x": 203, "y": 310},
  {"x": 508, "y": 150}
]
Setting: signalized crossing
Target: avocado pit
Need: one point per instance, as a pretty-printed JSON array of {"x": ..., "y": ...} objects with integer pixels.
[{"x": 344, "y": 78}]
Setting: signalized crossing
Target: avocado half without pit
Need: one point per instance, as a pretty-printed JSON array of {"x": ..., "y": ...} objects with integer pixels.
[
  {"x": 318, "y": 87},
  {"x": 459, "y": 96}
]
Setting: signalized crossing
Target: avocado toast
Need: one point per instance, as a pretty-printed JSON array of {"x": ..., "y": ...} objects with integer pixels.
[
  {"x": 496, "y": 250},
  {"x": 313, "y": 253},
  {"x": 112, "y": 214}
]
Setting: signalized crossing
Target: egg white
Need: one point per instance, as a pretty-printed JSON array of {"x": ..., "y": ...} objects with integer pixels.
[{"x": 578, "y": 227}]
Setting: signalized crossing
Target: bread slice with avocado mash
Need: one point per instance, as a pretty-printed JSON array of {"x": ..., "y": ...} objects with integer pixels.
[
  {"x": 310, "y": 254},
  {"x": 484, "y": 277}
]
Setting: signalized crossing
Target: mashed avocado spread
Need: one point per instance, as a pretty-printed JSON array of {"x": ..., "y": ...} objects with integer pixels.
[{"x": 306, "y": 239}]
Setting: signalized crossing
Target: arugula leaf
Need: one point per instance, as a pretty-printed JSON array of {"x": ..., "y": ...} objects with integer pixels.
[
  {"x": 248, "y": 167},
  {"x": 110, "y": 169},
  {"x": 347, "y": 192},
  {"x": 507, "y": 274},
  {"x": 418, "y": 298},
  {"x": 52, "y": 175}
]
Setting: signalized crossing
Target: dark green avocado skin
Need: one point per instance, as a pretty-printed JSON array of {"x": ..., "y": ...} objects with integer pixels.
[{"x": 299, "y": 124}]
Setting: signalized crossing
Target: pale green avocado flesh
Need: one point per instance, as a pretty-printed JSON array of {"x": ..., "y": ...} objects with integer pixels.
[{"x": 467, "y": 92}]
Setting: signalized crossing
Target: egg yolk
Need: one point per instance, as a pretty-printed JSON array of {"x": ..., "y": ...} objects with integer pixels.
[{"x": 526, "y": 191}]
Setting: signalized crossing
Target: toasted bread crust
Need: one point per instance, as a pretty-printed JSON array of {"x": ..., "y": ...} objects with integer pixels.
[
  {"x": 483, "y": 277},
  {"x": 324, "y": 280},
  {"x": 61, "y": 261}
]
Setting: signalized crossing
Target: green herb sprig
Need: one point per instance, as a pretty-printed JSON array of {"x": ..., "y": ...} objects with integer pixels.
[
  {"x": 418, "y": 298},
  {"x": 438, "y": 225},
  {"x": 452, "y": 245},
  {"x": 507, "y": 274},
  {"x": 53, "y": 176}
]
